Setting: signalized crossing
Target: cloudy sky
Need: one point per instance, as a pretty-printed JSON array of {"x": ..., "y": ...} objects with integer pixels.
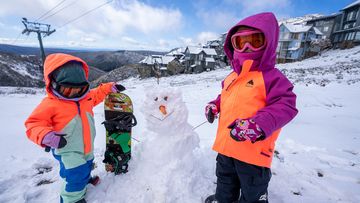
[{"x": 134, "y": 24}]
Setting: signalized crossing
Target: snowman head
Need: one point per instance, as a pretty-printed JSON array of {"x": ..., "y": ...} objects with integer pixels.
[{"x": 164, "y": 110}]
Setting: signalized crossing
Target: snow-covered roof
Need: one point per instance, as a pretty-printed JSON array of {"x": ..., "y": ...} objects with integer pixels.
[
  {"x": 296, "y": 28},
  {"x": 177, "y": 51},
  {"x": 197, "y": 50},
  {"x": 351, "y": 5},
  {"x": 215, "y": 43},
  {"x": 167, "y": 59},
  {"x": 194, "y": 50},
  {"x": 157, "y": 59},
  {"x": 147, "y": 60},
  {"x": 209, "y": 51}
]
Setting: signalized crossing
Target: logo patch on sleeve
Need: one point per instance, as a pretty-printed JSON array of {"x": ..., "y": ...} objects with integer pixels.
[{"x": 250, "y": 83}]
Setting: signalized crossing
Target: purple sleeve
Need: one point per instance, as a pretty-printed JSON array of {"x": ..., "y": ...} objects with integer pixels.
[
  {"x": 280, "y": 102},
  {"x": 218, "y": 99},
  {"x": 217, "y": 102}
]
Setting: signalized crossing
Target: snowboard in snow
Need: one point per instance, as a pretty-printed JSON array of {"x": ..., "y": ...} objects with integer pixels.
[{"x": 119, "y": 119}]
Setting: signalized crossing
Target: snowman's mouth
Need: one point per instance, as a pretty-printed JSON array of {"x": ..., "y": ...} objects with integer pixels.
[{"x": 163, "y": 118}]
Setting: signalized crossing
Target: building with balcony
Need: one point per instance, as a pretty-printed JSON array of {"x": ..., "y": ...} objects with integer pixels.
[
  {"x": 294, "y": 41},
  {"x": 198, "y": 59},
  {"x": 325, "y": 24},
  {"x": 346, "y": 32}
]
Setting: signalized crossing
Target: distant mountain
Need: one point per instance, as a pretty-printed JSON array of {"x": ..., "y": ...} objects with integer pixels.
[
  {"x": 25, "y": 71},
  {"x": 95, "y": 73},
  {"x": 118, "y": 74},
  {"x": 20, "y": 66},
  {"x": 20, "y": 50},
  {"x": 104, "y": 60},
  {"x": 109, "y": 60}
]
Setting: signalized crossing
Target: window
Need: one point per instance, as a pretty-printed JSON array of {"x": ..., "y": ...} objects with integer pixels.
[
  {"x": 350, "y": 15},
  {"x": 296, "y": 36},
  {"x": 285, "y": 35},
  {"x": 357, "y": 36},
  {"x": 326, "y": 28},
  {"x": 201, "y": 57},
  {"x": 297, "y": 45},
  {"x": 349, "y": 25},
  {"x": 351, "y": 35}
]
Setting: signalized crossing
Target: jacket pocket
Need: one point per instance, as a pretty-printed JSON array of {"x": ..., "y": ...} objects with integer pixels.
[{"x": 74, "y": 137}]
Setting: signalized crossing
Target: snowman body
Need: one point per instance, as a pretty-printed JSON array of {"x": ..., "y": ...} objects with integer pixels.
[{"x": 171, "y": 150}]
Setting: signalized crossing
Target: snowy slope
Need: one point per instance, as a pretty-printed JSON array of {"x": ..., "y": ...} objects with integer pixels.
[
  {"x": 20, "y": 70},
  {"x": 317, "y": 158}
]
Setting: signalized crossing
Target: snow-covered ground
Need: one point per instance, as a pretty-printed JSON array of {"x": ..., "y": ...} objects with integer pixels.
[{"x": 317, "y": 154}]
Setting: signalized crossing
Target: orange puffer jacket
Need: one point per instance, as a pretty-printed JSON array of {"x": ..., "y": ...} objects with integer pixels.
[{"x": 74, "y": 118}]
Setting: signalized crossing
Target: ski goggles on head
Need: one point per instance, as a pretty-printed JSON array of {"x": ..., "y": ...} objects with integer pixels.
[
  {"x": 252, "y": 39},
  {"x": 71, "y": 91}
]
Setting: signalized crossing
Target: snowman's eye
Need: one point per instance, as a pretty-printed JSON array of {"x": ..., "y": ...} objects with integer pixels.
[
  {"x": 166, "y": 98},
  {"x": 156, "y": 99}
]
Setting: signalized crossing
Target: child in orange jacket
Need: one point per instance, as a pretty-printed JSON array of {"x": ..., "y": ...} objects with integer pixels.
[
  {"x": 64, "y": 121},
  {"x": 256, "y": 101}
]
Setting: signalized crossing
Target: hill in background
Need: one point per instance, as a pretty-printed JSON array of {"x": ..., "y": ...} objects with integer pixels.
[{"x": 20, "y": 66}]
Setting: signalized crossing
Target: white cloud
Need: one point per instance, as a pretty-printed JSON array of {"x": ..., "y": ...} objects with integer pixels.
[
  {"x": 129, "y": 40},
  {"x": 113, "y": 18},
  {"x": 184, "y": 41},
  {"x": 142, "y": 17},
  {"x": 4, "y": 40},
  {"x": 163, "y": 43},
  {"x": 203, "y": 37},
  {"x": 88, "y": 39},
  {"x": 83, "y": 36},
  {"x": 110, "y": 21}
]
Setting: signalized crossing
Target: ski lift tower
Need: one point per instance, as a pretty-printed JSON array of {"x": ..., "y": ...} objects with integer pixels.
[{"x": 39, "y": 28}]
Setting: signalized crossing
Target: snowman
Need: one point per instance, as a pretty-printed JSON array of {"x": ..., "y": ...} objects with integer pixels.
[
  {"x": 169, "y": 156},
  {"x": 166, "y": 118}
]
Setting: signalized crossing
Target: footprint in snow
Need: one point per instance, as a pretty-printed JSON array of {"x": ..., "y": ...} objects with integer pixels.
[{"x": 43, "y": 172}]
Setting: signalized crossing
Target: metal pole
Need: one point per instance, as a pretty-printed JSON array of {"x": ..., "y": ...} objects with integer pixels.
[{"x": 42, "y": 52}]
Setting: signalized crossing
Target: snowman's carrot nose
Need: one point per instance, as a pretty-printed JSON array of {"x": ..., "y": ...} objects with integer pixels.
[{"x": 162, "y": 108}]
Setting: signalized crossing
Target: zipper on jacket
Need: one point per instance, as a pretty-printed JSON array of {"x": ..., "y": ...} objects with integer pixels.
[
  {"x": 230, "y": 84},
  {"x": 78, "y": 107}
]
